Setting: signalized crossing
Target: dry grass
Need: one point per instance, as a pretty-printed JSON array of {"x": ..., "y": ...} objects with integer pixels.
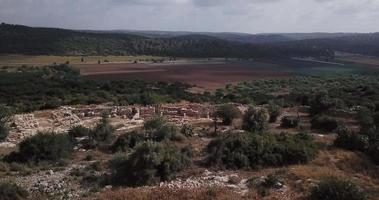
[
  {"x": 171, "y": 194},
  {"x": 339, "y": 163}
]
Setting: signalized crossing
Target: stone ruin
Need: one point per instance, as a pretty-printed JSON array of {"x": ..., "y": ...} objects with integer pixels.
[
  {"x": 123, "y": 117},
  {"x": 64, "y": 119},
  {"x": 22, "y": 126}
]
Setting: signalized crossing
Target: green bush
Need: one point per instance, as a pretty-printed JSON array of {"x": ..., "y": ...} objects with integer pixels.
[
  {"x": 43, "y": 147},
  {"x": 5, "y": 114},
  {"x": 324, "y": 123},
  {"x": 148, "y": 164},
  {"x": 10, "y": 191},
  {"x": 187, "y": 130},
  {"x": 167, "y": 132},
  {"x": 351, "y": 141},
  {"x": 335, "y": 189},
  {"x": 274, "y": 111},
  {"x": 228, "y": 113},
  {"x": 321, "y": 103},
  {"x": 4, "y": 131},
  {"x": 78, "y": 131},
  {"x": 158, "y": 129},
  {"x": 255, "y": 120},
  {"x": 289, "y": 122},
  {"x": 103, "y": 133},
  {"x": 365, "y": 119},
  {"x": 373, "y": 151},
  {"x": 247, "y": 150},
  {"x": 127, "y": 141},
  {"x": 154, "y": 123}
]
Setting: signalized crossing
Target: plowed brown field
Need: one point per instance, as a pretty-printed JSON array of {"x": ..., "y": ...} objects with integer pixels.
[{"x": 208, "y": 76}]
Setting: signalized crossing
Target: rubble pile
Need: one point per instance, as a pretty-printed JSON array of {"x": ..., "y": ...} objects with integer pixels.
[
  {"x": 64, "y": 119},
  {"x": 23, "y": 126},
  {"x": 54, "y": 184},
  {"x": 210, "y": 179}
]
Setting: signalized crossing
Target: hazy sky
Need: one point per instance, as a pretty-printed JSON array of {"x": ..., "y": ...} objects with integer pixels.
[{"x": 251, "y": 16}]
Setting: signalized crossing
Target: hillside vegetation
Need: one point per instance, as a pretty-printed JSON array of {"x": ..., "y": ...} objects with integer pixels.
[{"x": 16, "y": 39}]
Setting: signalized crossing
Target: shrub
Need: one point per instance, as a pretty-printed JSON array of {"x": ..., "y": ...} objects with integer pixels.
[
  {"x": 351, "y": 141},
  {"x": 10, "y": 191},
  {"x": 324, "y": 123},
  {"x": 248, "y": 150},
  {"x": 148, "y": 164},
  {"x": 167, "y": 132},
  {"x": 321, "y": 103},
  {"x": 3, "y": 132},
  {"x": 255, "y": 120},
  {"x": 187, "y": 130},
  {"x": 43, "y": 147},
  {"x": 274, "y": 111},
  {"x": 78, "y": 131},
  {"x": 289, "y": 122},
  {"x": 158, "y": 129},
  {"x": 335, "y": 189},
  {"x": 127, "y": 141},
  {"x": 154, "y": 123},
  {"x": 228, "y": 113},
  {"x": 4, "y": 118},
  {"x": 373, "y": 151},
  {"x": 103, "y": 132},
  {"x": 365, "y": 119}
]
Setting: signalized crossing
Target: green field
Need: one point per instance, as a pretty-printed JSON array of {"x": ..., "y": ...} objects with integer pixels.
[{"x": 18, "y": 60}]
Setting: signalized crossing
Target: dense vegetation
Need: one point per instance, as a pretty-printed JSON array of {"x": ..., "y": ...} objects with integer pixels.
[
  {"x": 28, "y": 89},
  {"x": 289, "y": 122},
  {"x": 9, "y": 191},
  {"x": 366, "y": 140},
  {"x": 17, "y": 39},
  {"x": 255, "y": 120},
  {"x": 335, "y": 189},
  {"x": 102, "y": 135},
  {"x": 252, "y": 150},
  {"x": 148, "y": 164},
  {"x": 364, "y": 44},
  {"x": 42, "y": 147},
  {"x": 358, "y": 43},
  {"x": 228, "y": 113},
  {"x": 322, "y": 93},
  {"x": 4, "y": 118},
  {"x": 155, "y": 129}
]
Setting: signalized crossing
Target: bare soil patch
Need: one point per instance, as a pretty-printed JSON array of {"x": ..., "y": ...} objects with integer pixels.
[{"x": 207, "y": 75}]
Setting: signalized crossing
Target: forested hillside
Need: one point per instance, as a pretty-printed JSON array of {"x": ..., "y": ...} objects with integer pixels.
[{"x": 16, "y": 39}]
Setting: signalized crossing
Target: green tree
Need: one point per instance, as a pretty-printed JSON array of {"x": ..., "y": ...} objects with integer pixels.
[
  {"x": 274, "y": 111},
  {"x": 148, "y": 164},
  {"x": 255, "y": 120},
  {"x": 104, "y": 131},
  {"x": 43, "y": 147},
  {"x": 228, "y": 113}
]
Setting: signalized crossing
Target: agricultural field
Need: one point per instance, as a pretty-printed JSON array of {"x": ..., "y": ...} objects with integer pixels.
[
  {"x": 207, "y": 75},
  {"x": 210, "y": 75},
  {"x": 29, "y": 60},
  {"x": 360, "y": 59}
]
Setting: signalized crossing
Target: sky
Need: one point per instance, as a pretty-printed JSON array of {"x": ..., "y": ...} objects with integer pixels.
[{"x": 248, "y": 16}]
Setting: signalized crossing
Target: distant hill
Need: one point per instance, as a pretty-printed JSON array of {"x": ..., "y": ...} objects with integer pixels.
[
  {"x": 17, "y": 39},
  {"x": 239, "y": 37},
  {"x": 363, "y": 43},
  {"x": 358, "y": 43}
]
